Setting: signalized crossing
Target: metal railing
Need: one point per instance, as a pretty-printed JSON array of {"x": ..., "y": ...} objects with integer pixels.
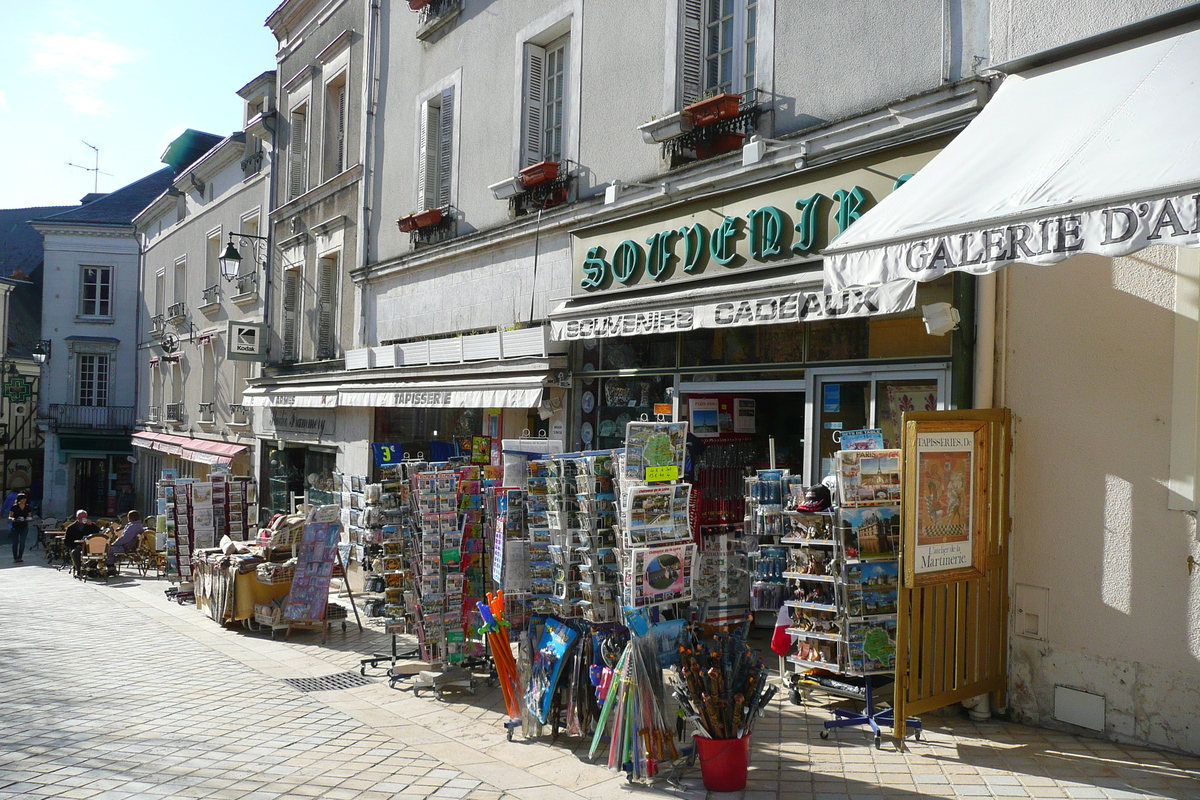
[
  {"x": 239, "y": 414},
  {"x": 158, "y": 325},
  {"x": 211, "y": 295},
  {"x": 206, "y": 412},
  {"x": 152, "y": 414},
  {"x": 63, "y": 415},
  {"x": 247, "y": 283},
  {"x": 176, "y": 310},
  {"x": 434, "y": 15},
  {"x": 174, "y": 412}
]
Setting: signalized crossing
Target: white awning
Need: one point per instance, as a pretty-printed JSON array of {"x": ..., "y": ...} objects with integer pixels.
[
  {"x": 793, "y": 297},
  {"x": 523, "y": 391},
  {"x": 1100, "y": 154},
  {"x": 290, "y": 398}
]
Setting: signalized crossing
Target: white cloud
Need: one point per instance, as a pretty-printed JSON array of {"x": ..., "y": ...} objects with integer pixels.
[{"x": 80, "y": 66}]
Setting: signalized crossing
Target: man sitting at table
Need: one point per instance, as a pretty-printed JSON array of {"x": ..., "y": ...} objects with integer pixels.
[
  {"x": 76, "y": 533},
  {"x": 127, "y": 542}
]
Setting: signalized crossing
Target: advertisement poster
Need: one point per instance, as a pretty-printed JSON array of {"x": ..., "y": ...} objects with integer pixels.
[
  {"x": 314, "y": 567},
  {"x": 654, "y": 451},
  {"x": 945, "y": 492},
  {"x": 743, "y": 415},
  {"x": 704, "y": 415},
  {"x": 662, "y": 575},
  {"x": 868, "y": 477},
  {"x": 657, "y": 514}
]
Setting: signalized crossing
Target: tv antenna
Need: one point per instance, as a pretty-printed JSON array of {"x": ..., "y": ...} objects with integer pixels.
[{"x": 95, "y": 170}]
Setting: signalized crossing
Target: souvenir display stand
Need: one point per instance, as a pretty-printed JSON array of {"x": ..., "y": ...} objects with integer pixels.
[
  {"x": 194, "y": 516},
  {"x": 842, "y": 583},
  {"x": 307, "y": 606}
]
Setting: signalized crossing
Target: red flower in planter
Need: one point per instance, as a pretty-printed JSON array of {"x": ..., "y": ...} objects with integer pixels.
[
  {"x": 417, "y": 5},
  {"x": 539, "y": 173},
  {"x": 422, "y": 219},
  {"x": 714, "y": 109}
]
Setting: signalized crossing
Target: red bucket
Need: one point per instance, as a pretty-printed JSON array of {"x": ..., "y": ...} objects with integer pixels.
[{"x": 723, "y": 762}]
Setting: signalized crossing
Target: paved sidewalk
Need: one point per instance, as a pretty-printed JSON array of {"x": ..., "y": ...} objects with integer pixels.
[{"x": 114, "y": 692}]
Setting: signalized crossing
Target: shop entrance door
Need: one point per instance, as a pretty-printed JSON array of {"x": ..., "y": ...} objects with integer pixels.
[
  {"x": 91, "y": 486},
  {"x": 852, "y": 399}
]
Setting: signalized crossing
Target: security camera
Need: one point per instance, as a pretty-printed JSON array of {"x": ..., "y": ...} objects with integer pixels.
[{"x": 939, "y": 318}]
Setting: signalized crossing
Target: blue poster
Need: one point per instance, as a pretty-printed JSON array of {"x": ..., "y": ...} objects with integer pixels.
[
  {"x": 386, "y": 453},
  {"x": 831, "y": 401}
]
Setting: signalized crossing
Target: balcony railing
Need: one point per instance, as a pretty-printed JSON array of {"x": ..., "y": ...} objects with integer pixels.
[
  {"x": 239, "y": 414},
  {"x": 246, "y": 284},
  {"x": 158, "y": 325},
  {"x": 206, "y": 412},
  {"x": 435, "y": 15},
  {"x": 109, "y": 418},
  {"x": 211, "y": 295},
  {"x": 153, "y": 414},
  {"x": 176, "y": 311},
  {"x": 174, "y": 412}
]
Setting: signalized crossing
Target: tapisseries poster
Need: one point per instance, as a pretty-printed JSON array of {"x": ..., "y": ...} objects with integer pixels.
[{"x": 945, "y": 493}]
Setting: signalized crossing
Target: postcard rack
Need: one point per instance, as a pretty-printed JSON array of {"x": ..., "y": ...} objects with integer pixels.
[{"x": 842, "y": 592}]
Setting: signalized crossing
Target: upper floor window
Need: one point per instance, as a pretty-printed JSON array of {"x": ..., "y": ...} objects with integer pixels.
[
  {"x": 212, "y": 256},
  {"x": 160, "y": 293},
  {"x": 326, "y": 305},
  {"x": 545, "y": 101},
  {"x": 718, "y": 47},
  {"x": 435, "y": 176},
  {"x": 91, "y": 386},
  {"x": 335, "y": 127},
  {"x": 291, "y": 315},
  {"x": 95, "y": 292},
  {"x": 298, "y": 152}
]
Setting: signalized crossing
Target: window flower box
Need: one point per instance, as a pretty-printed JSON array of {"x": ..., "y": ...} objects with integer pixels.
[
  {"x": 417, "y": 5},
  {"x": 421, "y": 219},
  {"x": 714, "y": 109},
  {"x": 664, "y": 128},
  {"x": 539, "y": 173},
  {"x": 721, "y": 143}
]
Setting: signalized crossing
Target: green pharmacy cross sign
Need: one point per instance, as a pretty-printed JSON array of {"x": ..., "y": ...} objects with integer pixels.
[{"x": 18, "y": 389}]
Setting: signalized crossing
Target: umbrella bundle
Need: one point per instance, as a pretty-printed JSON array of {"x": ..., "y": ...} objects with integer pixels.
[
  {"x": 632, "y": 715},
  {"x": 721, "y": 683}
]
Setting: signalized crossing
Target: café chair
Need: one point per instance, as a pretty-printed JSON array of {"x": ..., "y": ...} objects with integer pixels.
[{"x": 94, "y": 557}]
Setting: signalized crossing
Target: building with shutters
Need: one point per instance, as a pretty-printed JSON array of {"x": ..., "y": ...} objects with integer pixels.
[
  {"x": 315, "y": 228},
  {"x": 193, "y": 311}
]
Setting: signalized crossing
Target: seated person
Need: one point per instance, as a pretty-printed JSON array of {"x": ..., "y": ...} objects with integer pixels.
[
  {"x": 127, "y": 542},
  {"x": 76, "y": 533}
]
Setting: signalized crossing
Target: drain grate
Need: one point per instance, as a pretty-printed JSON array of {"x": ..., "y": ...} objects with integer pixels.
[{"x": 327, "y": 683}]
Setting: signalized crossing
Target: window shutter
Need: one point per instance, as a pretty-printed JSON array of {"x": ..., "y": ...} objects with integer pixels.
[
  {"x": 535, "y": 98},
  {"x": 427, "y": 171},
  {"x": 445, "y": 148},
  {"x": 691, "y": 52},
  {"x": 291, "y": 296},
  {"x": 296, "y": 156},
  {"x": 325, "y": 286},
  {"x": 341, "y": 131}
]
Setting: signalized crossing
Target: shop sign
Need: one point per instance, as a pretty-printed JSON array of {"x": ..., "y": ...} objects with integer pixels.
[
  {"x": 304, "y": 423},
  {"x": 799, "y": 306},
  {"x": 753, "y": 228},
  {"x": 1108, "y": 231},
  {"x": 247, "y": 341}
]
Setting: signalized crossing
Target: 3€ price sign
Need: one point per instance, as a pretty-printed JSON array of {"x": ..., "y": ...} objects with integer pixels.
[{"x": 387, "y": 453}]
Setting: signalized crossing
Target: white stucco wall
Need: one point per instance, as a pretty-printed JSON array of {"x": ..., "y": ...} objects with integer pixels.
[
  {"x": 1088, "y": 377},
  {"x": 1022, "y": 27}
]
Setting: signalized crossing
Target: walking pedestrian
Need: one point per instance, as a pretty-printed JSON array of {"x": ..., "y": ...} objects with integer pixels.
[{"x": 18, "y": 526}]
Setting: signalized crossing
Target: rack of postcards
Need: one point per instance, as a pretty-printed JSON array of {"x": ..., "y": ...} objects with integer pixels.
[
  {"x": 197, "y": 514},
  {"x": 439, "y": 581},
  {"x": 843, "y": 572},
  {"x": 512, "y": 550},
  {"x": 657, "y": 555},
  {"x": 592, "y": 557}
]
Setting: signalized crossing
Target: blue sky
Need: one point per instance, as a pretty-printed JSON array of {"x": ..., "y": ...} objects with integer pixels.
[{"x": 125, "y": 75}]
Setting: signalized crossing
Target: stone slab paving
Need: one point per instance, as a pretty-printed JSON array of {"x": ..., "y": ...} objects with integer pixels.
[{"x": 113, "y": 691}]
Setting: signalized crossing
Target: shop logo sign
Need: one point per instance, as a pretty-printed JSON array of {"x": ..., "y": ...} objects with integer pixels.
[
  {"x": 768, "y": 232},
  {"x": 247, "y": 341}
]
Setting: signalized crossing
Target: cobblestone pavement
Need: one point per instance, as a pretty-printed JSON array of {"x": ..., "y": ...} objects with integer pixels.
[{"x": 114, "y": 692}]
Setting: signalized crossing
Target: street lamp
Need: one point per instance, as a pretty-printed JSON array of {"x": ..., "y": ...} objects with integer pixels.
[
  {"x": 41, "y": 351},
  {"x": 231, "y": 259}
]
